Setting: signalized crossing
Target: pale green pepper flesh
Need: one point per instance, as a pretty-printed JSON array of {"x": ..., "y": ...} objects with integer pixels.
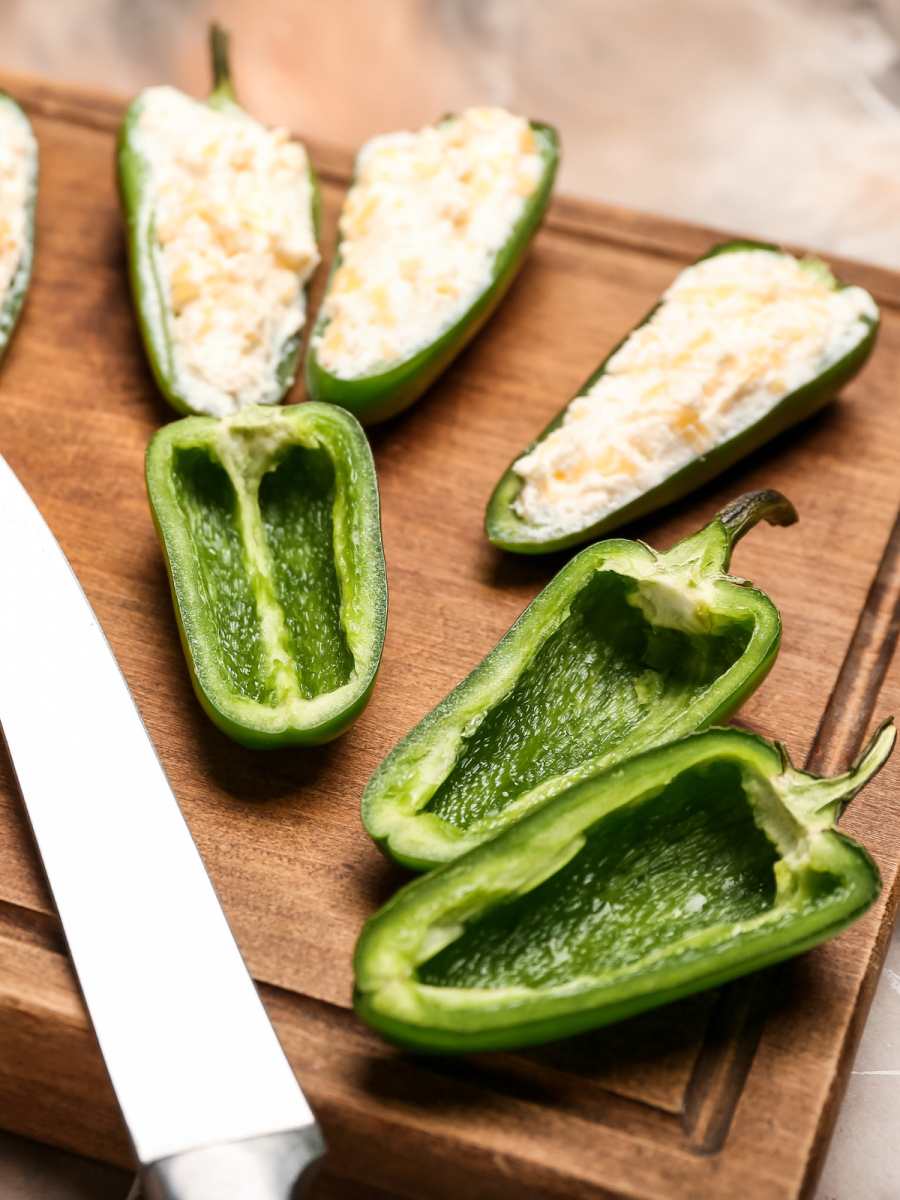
[
  {"x": 623, "y": 650},
  {"x": 629, "y": 890},
  {"x": 605, "y": 675},
  {"x": 295, "y": 501},
  {"x": 270, "y": 523},
  {"x": 677, "y": 870}
]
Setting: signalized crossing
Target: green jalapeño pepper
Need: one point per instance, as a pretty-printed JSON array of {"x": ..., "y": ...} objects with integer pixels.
[
  {"x": 745, "y": 343},
  {"x": 20, "y": 171},
  {"x": 625, "y": 649},
  {"x": 269, "y": 522},
  {"x": 419, "y": 266},
  {"x": 222, "y": 222},
  {"x": 677, "y": 870}
]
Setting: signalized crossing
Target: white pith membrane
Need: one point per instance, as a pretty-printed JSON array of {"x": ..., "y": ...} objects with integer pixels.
[
  {"x": 234, "y": 245},
  {"x": 733, "y": 335},
  {"x": 16, "y": 150},
  {"x": 420, "y": 229}
]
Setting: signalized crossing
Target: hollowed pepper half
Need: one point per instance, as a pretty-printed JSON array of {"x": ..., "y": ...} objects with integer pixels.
[
  {"x": 392, "y": 385},
  {"x": 746, "y": 343},
  {"x": 677, "y": 870},
  {"x": 625, "y": 649},
  {"x": 20, "y": 171},
  {"x": 269, "y": 521}
]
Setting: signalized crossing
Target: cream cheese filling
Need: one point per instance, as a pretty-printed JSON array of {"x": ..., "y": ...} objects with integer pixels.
[
  {"x": 420, "y": 231},
  {"x": 234, "y": 245},
  {"x": 16, "y": 153},
  {"x": 733, "y": 335}
]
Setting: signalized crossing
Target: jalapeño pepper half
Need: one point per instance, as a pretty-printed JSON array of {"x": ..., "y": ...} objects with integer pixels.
[
  {"x": 625, "y": 649},
  {"x": 155, "y": 295},
  {"x": 677, "y": 870},
  {"x": 388, "y": 390},
  {"x": 21, "y": 167},
  {"x": 508, "y": 529},
  {"x": 269, "y": 522}
]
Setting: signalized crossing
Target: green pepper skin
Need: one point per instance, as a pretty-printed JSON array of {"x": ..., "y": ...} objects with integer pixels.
[
  {"x": 377, "y": 397},
  {"x": 270, "y": 524},
  {"x": 11, "y": 307},
  {"x": 625, "y": 649},
  {"x": 148, "y": 287},
  {"x": 673, "y": 872},
  {"x": 505, "y": 528}
]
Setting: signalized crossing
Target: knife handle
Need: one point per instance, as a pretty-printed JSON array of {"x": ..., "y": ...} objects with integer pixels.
[{"x": 279, "y": 1166}]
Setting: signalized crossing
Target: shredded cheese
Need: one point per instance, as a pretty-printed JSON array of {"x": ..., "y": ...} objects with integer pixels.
[
  {"x": 420, "y": 230},
  {"x": 733, "y": 335},
  {"x": 235, "y": 245},
  {"x": 16, "y": 151}
]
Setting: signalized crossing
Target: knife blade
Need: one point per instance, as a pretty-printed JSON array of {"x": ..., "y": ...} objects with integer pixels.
[{"x": 211, "y": 1104}]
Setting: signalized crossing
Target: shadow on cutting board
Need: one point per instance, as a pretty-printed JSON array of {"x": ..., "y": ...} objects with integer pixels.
[{"x": 30, "y": 1171}]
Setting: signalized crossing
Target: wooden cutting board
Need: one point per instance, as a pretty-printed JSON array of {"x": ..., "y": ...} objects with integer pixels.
[{"x": 735, "y": 1090}]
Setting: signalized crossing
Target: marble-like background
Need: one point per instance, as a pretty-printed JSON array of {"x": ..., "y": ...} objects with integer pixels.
[{"x": 774, "y": 118}]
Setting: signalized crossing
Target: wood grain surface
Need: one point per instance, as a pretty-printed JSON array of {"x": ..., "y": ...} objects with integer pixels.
[{"x": 732, "y": 1090}]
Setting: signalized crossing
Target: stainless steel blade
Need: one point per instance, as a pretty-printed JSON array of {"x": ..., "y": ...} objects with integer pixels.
[{"x": 193, "y": 1058}]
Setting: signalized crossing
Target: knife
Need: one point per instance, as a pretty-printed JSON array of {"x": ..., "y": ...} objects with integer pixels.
[{"x": 211, "y": 1104}]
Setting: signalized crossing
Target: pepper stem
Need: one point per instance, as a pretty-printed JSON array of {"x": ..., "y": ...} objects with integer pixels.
[
  {"x": 869, "y": 761},
  {"x": 220, "y": 54},
  {"x": 748, "y": 510},
  {"x": 819, "y": 802},
  {"x": 708, "y": 551}
]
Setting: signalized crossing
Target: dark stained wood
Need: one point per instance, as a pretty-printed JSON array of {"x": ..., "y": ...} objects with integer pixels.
[{"x": 736, "y": 1090}]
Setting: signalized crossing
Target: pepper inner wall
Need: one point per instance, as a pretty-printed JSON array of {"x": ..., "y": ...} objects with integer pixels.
[
  {"x": 650, "y": 874},
  {"x": 604, "y": 675},
  {"x": 296, "y": 502},
  {"x": 207, "y": 498}
]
